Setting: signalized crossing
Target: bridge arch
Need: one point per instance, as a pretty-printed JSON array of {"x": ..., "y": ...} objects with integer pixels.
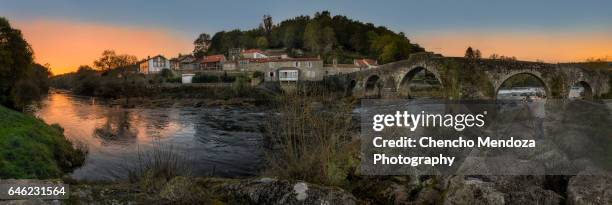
[
  {"x": 406, "y": 77},
  {"x": 586, "y": 94},
  {"x": 373, "y": 86},
  {"x": 535, "y": 75},
  {"x": 351, "y": 87}
]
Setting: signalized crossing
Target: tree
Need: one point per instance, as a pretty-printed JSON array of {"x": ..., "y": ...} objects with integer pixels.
[
  {"x": 110, "y": 60},
  {"x": 201, "y": 45},
  {"x": 262, "y": 42},
  {"x": 328, "y": 40},
  {"x": 267, "y": 25},
  {"x": 311, "y": 37},
  {"x": 470, "y": 53},
  {"x": 15, "y": 66}
]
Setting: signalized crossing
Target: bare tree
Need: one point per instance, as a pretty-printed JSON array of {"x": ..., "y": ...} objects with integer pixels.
[{"x": 267, "y": 25}]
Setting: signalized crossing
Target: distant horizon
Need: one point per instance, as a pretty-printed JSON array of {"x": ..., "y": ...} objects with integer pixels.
[{"x": 68, "y": 34}]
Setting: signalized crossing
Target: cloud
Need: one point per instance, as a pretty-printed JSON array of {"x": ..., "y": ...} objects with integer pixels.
[
  {"x": 550, "y": 46},
  {"x": 67, "y": 44}
]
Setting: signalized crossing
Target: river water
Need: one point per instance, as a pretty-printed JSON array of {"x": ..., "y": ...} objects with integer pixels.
[{"x": 216, "y": 141}]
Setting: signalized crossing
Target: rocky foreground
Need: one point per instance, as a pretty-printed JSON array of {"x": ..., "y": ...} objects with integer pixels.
[{"x": 589, "y": 187}]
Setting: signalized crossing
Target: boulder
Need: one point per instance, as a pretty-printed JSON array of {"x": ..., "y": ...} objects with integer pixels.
[
  {"x": 590, "y": 187},
  {"x": 472, "y": 191},
  {"x": 273, "y": 191},
  {"x": 532, "y": 196}
]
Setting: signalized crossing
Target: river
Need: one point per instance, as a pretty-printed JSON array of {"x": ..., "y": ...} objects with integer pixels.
[{"x": 217, "y": 141}]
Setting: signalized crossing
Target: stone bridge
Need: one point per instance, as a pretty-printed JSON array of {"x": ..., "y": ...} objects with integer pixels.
[{"x": 462, "y": 78}]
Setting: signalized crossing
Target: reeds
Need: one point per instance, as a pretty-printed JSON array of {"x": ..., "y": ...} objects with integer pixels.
[{"x": 313, "y": 134}]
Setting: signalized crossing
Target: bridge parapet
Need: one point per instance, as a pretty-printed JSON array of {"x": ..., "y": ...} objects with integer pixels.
[{"x": 456, "y": 75}]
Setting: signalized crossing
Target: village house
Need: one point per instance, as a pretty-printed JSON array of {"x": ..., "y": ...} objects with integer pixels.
[
  {"x": 184, "y": 63},
  {"x": 213, "y": 62},
  {"x": 153, "y": 65},
  {"x": 310, "y": 69}
]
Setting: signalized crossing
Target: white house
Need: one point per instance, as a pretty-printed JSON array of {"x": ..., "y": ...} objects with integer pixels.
[{"x": 154, "y": 65}]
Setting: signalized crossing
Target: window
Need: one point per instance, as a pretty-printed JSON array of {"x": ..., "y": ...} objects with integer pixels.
[
  {"x": 296, "y": 64},
  {"x": 309, "y": 64},
  {"x": 288, "y": 75},
  {"x": 271, "y": 74}
]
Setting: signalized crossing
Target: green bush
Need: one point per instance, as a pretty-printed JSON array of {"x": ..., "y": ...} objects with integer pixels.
[
  {"x": 315, "y": 145},
  {"x": 204, "y": 78}
]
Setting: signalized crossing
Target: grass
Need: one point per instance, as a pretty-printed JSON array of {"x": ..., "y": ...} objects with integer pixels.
[
  {"x": 157, "y": 166},
  {"x": 162, "y": 175},
  {"x": 315, "y": 137},
  {"x": 29, "y": 148}
]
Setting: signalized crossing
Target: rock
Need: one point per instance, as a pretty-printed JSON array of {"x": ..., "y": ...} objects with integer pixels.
[
  {"x": 513, "y": 183},
  {"x": 31, "y": 202},
  {"x": 590, "y": 187},
  {"x": 397, "y": 193},
  {"x": 272, "y": 191},
  {"x": 177, "y": 189},
  {"x": 471, "y": 191},
  {"x": 533, "y": 196}
]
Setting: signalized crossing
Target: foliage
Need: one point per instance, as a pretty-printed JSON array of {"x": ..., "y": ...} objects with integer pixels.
[
  {"x": 204, "y": 78},
  {"x": 201, "y": 45},
  {"x": 21, "y": 80},
  {"x": 331, "y": 37},
  {"x": 262, "y": 42},
  {"x": 258, "y": 74},
  {"x": 110, "y": 60},
  {"x": 315, "y": 145},
  {"x": 212, "y": 78},
  {"x": 462, "y": 79},
  {"x": 31, "y": 149},
  {"x": 472, "y": 54}
]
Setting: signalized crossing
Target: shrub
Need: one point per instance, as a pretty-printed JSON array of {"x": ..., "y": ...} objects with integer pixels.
[
  {"x": 315, "y": 143},
  {"x": 157, "y": 166},
  {"x": 203, "y": 78}
]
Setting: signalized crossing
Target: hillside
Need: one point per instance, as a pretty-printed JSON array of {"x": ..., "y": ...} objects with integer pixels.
[
  {"x": 322, "y": 35},
  {"x": 29, "y": 148}
]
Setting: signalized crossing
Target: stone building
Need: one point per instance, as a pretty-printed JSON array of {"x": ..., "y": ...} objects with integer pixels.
[{"x": 309, "y": 69}]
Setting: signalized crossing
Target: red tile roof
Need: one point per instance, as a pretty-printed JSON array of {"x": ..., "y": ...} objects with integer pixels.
[
  {"x": 252, "y": 51},
  {"x": 213, "y": 59},
  {"x": 263, "y": 60},
  {"x": 366, "y": 62}
]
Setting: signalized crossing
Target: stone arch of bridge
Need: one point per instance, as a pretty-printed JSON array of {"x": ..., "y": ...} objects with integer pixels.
[
  {"x": 536, "y": 75},
  {"x": 405, "y": 77},
  {"x": 373, "y": 86},
  {"x": 351, "y": 87},
  {"x": 588, "y": 90}
]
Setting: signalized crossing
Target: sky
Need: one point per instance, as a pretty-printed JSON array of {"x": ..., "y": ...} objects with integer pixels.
[{"x": 69, "y": 33}]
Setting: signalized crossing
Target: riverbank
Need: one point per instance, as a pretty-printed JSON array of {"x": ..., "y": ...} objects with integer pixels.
[{"x": 29, "y": 148}]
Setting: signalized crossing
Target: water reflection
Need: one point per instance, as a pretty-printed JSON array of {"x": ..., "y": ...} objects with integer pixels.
[
  {"x": 117, "y": 129},
  {"x": 228, "y": 141}
]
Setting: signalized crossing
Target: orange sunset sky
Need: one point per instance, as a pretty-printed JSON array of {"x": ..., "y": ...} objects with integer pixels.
[
  {"x": 66, "y": 34},
  {"x": 65, "y": 45}
]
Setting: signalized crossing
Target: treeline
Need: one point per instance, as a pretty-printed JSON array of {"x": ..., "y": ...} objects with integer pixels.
[
  {"x": 21, "y": 79},
  {"x": 331, "y": 37},
  {"x": 114, "y": 83}
]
